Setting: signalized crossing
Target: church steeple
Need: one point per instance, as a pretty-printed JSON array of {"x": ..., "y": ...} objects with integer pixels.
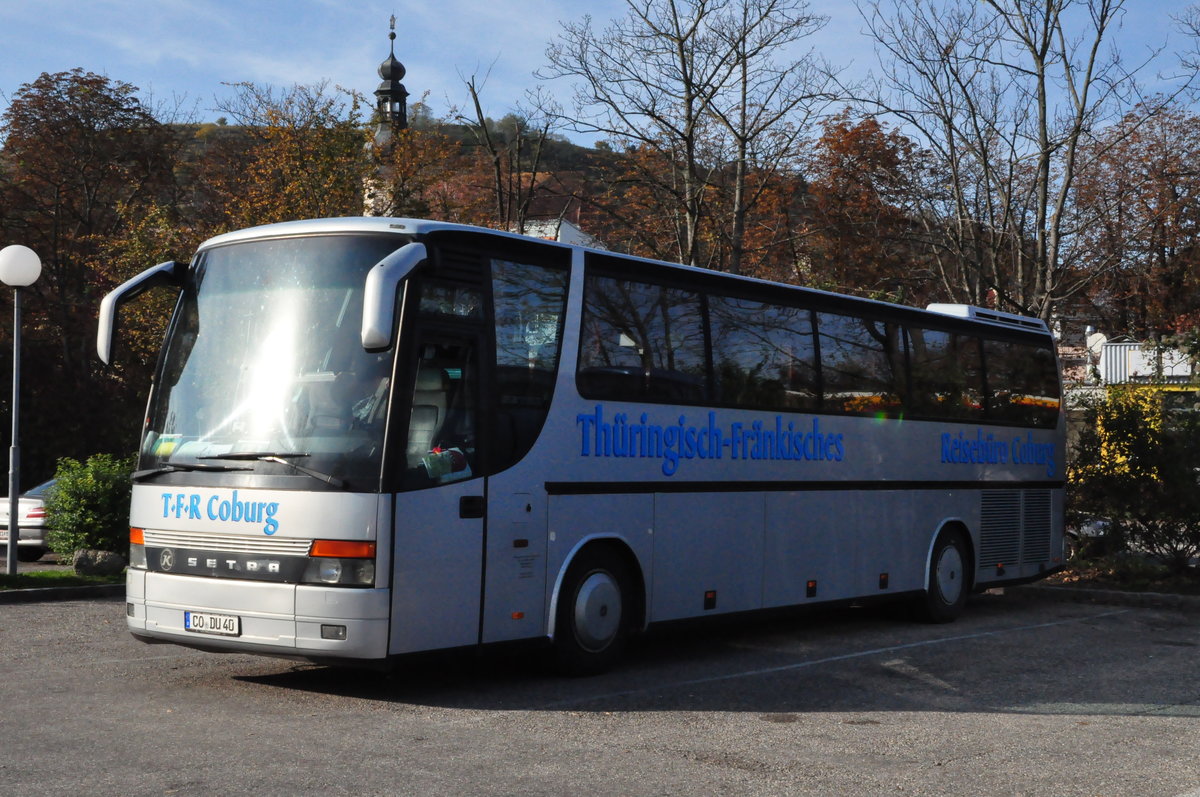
[{"x": 391, "y": 96}]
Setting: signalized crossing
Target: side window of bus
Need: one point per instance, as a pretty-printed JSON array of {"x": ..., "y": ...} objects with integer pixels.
[
  {"x": 641, "y": 342},
  {"x": 1022, "y": 383},
  {"x": 862, "y": 364},
  {"x": 763, "y": 355},
  {"x": 947, "y": 377},
  {"x": 528, "y": 303}
]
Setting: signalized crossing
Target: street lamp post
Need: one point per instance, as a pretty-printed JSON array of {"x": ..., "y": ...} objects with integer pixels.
[{"x": 19, "y": 268}]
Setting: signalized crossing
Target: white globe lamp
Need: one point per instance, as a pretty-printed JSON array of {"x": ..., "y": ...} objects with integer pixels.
[{"x": 19, "y": 268}]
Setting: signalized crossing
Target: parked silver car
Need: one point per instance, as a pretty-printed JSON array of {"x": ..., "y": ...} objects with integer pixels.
[{"x": 31, "y": 507}]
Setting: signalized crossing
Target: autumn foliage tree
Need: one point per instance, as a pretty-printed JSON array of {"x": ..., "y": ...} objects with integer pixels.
[
  {"x": 420, "y": 174},
  {"x": 303, "y": 156},
  {"x": 1144, "y": 194},
  {"x": 82, "y": 155},
  {"x": 777, "y": 229},
  {"x": 631, "y": 196},
  {"x": 863, "y": 235}
]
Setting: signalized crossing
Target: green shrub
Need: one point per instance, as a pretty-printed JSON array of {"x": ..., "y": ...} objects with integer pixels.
[
  {"x": 89, "y": 505},
  {"x": 1135, "y": 464}
]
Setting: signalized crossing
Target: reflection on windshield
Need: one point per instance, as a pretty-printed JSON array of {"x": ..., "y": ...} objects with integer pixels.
[{"x": 265, "y": 355}]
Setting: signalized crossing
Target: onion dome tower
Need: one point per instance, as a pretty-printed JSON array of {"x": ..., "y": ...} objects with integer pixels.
[{"x": 391, "y": 97}]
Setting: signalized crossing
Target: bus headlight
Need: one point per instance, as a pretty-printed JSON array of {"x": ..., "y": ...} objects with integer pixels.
[
  {"x": 341, "y": 562},
  {"x": 137, "y": 548},
  {"x": 328, "y": 570}
]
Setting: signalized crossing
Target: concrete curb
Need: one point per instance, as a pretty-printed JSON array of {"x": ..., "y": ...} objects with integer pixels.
[
  {"x": 1114, "y": 597},
  {"x": 40, "y": 594}
]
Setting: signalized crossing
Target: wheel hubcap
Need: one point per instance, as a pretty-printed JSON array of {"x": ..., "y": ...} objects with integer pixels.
[
  {"x": 949, "y": 575},
  {"x": 597, "y": 611}
]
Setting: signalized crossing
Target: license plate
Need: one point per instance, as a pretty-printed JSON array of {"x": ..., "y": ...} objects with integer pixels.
[{"x": 210, "y": 623}]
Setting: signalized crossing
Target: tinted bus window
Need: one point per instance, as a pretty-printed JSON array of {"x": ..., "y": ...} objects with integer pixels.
[
  {"x": 1022, "y": 382},
  {"x": 763, "y": 354},
  {"x": 528, "y": 302},
  {"x": 947, "y": 377},
  {"x": 862, "y": 364},
  {"x": 641, "y": 342}
]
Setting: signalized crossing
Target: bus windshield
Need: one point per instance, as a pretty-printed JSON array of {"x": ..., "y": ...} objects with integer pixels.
[{"x": 264, "y": 359}]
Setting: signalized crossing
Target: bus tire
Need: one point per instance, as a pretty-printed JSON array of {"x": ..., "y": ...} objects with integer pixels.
[
  {"x": 593, "y": 615},
  {"x": 949, "y": 579}
]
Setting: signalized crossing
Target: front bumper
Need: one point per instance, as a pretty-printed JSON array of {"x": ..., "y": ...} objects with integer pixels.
[{"x": 275, "y": 619}]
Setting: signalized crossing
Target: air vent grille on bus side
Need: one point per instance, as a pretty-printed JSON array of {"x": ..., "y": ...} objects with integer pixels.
[
  {"x": 1035, "y": 545},
  {"x": 1015, "y": 527},
  {"x": 1000, "y": 528}
]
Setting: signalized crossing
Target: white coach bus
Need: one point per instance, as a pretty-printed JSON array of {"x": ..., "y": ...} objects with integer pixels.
[{"x": 370, "y": 437}]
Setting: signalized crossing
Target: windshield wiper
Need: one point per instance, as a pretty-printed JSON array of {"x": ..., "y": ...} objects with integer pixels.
[
  {"x": 281, "y": 458},
  {"x": 183, "y": 467}
]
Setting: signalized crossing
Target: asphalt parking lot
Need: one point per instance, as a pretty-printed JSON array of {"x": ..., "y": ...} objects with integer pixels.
[{"x": 1021, "y": 696}]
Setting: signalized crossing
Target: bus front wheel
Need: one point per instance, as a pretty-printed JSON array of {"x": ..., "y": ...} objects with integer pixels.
[
  {"x": 949, "y": 579},
  {"x": 592, "y": 620}
]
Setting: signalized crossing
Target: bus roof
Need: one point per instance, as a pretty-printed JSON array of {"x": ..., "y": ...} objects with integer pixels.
[
  {"x": 410, "y": 226},
  {"x": 341, "y": 225}
]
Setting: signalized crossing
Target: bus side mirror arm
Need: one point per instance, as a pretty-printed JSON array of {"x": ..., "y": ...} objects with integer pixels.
[
  {"x": 379, "y": 294},
  {"x": 168, "y": 273}
]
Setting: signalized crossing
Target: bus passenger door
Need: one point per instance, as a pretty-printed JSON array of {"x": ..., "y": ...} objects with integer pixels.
[{"x": 439, "y": 515}]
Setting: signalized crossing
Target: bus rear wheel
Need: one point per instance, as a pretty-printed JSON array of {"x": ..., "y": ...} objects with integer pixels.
[
  {"x": 592, "y": 620},
  {"x": 949, "y": 579}
]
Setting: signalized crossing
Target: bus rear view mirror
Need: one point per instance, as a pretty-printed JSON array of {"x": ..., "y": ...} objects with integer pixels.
[
  {"x": 168, "y": 273},
  {"x": 379, "y": 296}
]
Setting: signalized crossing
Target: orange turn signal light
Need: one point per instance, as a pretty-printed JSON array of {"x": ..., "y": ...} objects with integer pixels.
[
  {"x": 137, "y": 536},
  {"x": 342, "y": 549}
]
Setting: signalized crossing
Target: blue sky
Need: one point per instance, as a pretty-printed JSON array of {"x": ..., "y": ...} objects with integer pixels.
[
  {"x": 183, "y": 50},
  {"x": 188, "y": 48}
]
